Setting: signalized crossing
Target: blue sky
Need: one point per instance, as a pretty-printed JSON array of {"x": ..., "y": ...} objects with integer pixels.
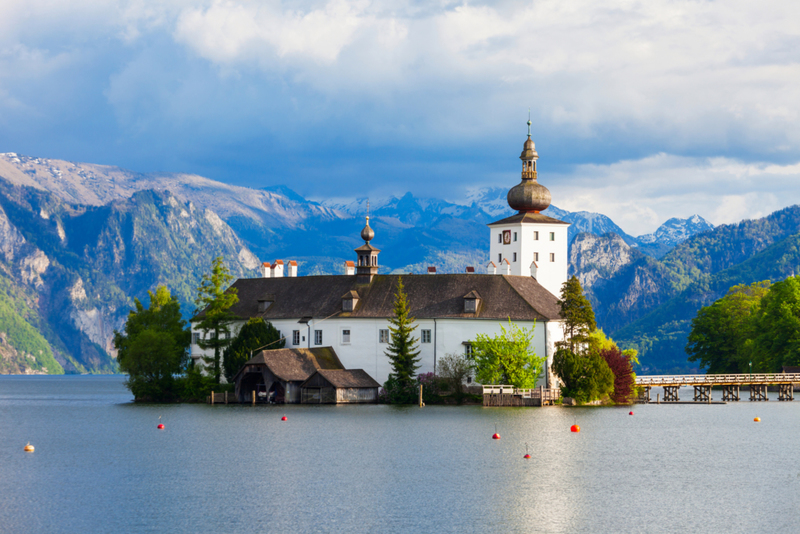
[{"x": 642, "y": 110}]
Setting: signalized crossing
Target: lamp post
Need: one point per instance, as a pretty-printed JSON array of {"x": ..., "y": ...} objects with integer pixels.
[{"x": 751, "y": 373}]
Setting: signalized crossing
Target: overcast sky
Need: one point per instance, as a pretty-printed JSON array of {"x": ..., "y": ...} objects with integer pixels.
[{"x": 641, "y": 110}]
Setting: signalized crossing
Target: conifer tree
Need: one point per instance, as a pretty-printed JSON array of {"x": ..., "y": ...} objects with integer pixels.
[
  {"x": 402, "y": 351},
  {"x": 577, "y": 315},
  {"x": 214, "y": 300}
]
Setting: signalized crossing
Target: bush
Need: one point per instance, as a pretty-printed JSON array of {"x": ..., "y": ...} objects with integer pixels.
[
  {"x": 584, "y": 378},
  {"x": 454, "y": 370}
]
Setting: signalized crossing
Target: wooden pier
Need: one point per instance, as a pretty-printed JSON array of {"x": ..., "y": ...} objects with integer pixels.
[
  {"x": 757, "y": 383},
  {"x": 498, "y": 395}
]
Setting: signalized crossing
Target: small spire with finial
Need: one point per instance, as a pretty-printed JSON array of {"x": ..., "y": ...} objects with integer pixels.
[
  {"x": 529, "y": 123},
  {"x": 367, "y": 233}
]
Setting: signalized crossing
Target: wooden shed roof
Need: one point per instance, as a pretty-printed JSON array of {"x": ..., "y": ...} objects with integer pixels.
[
  {"x": 345, "y": 378},
  {"x": 294, "y": 365}
]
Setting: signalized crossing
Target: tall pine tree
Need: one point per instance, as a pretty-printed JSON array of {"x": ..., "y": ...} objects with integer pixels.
[
  {"x": 255, "y": 334},
  {"x": 214, "y": 300},
  {"x": 402, "y": 351},
  {"x": 577, "y": 316}
]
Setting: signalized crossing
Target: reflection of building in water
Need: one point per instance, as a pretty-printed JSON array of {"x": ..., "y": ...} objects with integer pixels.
[{"x": 351, "y": 312}]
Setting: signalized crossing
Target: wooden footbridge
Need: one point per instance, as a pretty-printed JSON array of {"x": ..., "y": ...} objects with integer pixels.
[{"x": 730, "y": 384}]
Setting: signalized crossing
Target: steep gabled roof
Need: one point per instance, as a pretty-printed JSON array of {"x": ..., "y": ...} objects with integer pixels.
[{"x": 438, "y": 296}]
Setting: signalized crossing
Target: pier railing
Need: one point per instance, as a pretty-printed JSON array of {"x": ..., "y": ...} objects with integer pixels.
[
  {"x": 502, "y": 395},
  {"x": 718, "y": 379}
]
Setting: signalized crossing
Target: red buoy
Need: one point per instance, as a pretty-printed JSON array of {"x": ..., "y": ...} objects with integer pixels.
[
  {"x": 161, "y": 426},
  {"x": 495, "y": 436},
  {"x": 574, "y": 428},
  {"x": 283, "y": 418},
  {"x": 527, "y": 456},
  {"x": 630, "y": 413}
]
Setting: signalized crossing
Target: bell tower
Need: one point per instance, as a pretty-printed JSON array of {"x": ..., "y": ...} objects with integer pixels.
[
  {"x": 532, "y": 244},
  {"x": 367, "y": 263}
]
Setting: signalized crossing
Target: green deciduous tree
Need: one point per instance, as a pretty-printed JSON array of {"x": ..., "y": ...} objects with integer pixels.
[
  {"x": 152, "y": 349},
  {"x": 507, "y": 358},
  {"x": 722, "y": 333},
  {"x": 577, "y": 316},
  {"x": 214, "y": 300},
  {"x": 402, "y": 350},
  {"x": 584, "y": 377},
  {"x": 254, "y": 334},
  {"x": 777, "y": 328}
]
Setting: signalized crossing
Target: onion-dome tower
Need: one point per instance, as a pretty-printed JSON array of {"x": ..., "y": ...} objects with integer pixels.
[
  {"x": 367, "y": 264},
  {"x": 529, "y": 195}
]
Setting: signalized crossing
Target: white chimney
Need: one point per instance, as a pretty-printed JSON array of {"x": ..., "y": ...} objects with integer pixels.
[
  {"x": 534, "y": 269},
  {"x": 506, "y": 266},
  {"x": 292, "y": 269},
  {"x": 491, "y": 268},
  {"x": 349, "y": 268},
  {"x": 266, "y": 272},
  {"x": 277, "y": 269}
]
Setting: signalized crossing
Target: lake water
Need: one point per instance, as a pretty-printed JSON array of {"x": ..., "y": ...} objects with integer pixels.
[{"x": 102, "y": 466}]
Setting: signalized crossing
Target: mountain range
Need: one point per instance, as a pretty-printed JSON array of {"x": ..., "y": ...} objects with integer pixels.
[{"x": 80, "y": 241}]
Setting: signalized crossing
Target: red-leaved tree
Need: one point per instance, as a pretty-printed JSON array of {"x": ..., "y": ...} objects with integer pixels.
[{"x": 624, "y": 380}]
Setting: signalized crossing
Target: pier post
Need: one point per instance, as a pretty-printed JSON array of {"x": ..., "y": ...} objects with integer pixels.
[
  {"x": 702, "y": 394},
  {"x": 785, "y": 392},
  {"x": 758, "y": 392},
  {"x": 254, "y": 397},
  {"x": 671, "y": 393},
  {"x": 212, "y": 398}
]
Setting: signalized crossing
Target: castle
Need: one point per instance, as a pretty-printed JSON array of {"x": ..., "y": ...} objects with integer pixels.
[{"x": 350, "y": 313}]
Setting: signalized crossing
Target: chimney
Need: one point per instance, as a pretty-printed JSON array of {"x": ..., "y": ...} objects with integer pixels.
[
  {"x": 349, "y": 268},
  {"x": 277, "y": 269},
  {"x": 506, "y": 266},
  {"x": 265, "y": 270},
  {"x": 534, "y": 269},
  {"x": 491, "y": 268},
  {"x": 431, "y": 270},
  {"x": 470, "y": 270},
  {"x": 292, "y": 269}
]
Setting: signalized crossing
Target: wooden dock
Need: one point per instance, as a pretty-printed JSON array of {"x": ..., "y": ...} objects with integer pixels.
[
  {"x": 499, "y": 395},
  {"x": 730, "y": 384}
]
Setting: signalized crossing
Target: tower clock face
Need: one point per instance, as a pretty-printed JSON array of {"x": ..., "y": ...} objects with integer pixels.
[{"x": 506, "y": 237}]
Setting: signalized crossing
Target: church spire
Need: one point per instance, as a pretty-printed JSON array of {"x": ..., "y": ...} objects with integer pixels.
[{"x": 367, "y": 265}]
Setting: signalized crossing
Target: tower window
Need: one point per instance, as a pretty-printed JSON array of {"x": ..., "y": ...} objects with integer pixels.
[
  {"x": 552, "y": 236},
  {"x": 536, "y": 236},
  {"x": 552, "y": 257},
  {"x": 515, "y": 237},
  {"x": 500, "y": 237},
  {"x": 515, "y": 256},
  {"x": 499, "y": 258},
  {"x": 535, "y": 256}
]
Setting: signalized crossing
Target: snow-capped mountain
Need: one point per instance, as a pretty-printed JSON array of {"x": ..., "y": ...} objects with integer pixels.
[{"x": 676, "y": 230}]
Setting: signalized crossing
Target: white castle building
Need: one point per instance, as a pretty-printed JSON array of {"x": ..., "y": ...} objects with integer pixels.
[{"x": 351, "y": 312}]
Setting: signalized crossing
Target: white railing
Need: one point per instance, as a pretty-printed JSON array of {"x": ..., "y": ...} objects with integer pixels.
[
  {"x": 718, "y": 380},
  {"x": 533, "y": 393}
]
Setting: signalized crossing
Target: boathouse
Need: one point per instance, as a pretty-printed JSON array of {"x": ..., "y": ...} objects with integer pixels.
[
  {"x": 335, "y": 386},
  {"x": 277, "y": 375}
]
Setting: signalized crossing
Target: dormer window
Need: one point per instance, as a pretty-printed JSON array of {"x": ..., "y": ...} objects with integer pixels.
[
  {"x": 349, "y": 301},
  {"x": 471, "y": 302}
]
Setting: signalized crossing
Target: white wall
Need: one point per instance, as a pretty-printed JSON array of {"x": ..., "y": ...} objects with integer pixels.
[
  {"x": 551, "y": 274},
  {"x": 366, "y": 352}
]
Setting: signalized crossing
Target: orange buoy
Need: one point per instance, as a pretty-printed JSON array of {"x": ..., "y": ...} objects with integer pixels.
[
  {"x": 574, "y": 428},
  {"x": 28, "y": 447},
  {"x": 757, "y": 419},
  {"x": 283, "y": 418}
]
